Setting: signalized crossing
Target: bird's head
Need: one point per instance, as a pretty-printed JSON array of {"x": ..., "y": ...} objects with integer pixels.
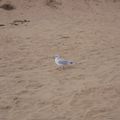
[{"x": 57, "y": 56}]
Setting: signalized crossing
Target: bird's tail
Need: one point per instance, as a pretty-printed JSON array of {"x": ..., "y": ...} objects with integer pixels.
[{"x": 72, "y": 62}]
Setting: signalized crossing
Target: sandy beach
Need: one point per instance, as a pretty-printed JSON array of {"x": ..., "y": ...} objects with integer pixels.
[{"x": 85, "y": 31}]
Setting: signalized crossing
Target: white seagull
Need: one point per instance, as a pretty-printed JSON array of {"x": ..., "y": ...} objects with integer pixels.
[{"x": 62, "y": 62}]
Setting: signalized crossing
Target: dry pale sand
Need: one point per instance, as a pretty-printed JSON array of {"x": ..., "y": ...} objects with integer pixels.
[{"x": 85, "y": 31}]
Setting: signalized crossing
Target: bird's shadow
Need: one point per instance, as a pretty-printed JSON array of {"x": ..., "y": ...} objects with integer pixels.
[{"x": 65, "y": 68}]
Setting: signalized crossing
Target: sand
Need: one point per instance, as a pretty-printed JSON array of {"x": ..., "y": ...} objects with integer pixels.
[{"x": 85, "y": 31}]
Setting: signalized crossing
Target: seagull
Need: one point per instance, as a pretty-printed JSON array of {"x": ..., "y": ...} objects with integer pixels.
[{"x": 62, "y": 62}]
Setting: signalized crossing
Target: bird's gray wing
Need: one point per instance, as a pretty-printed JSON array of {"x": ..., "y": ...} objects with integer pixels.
[{"x": 64, "y": 62}]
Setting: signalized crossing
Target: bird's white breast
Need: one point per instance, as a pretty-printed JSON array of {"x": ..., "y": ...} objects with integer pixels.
[{"x": 57, "y": 61}]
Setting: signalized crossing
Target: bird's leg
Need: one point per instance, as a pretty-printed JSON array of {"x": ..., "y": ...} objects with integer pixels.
[
  {"x": 63, "y": 67},
  {"x": 58, "y": 68}
]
